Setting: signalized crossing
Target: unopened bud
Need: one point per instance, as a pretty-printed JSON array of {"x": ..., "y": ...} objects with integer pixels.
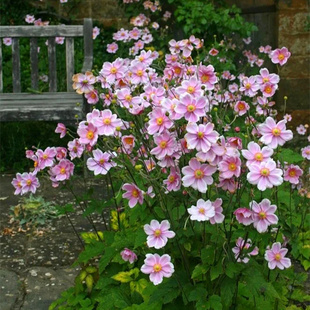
[
  {"x": 138, "y": 167},
  {"x": 285, "y": 97},
  {"x": 215, "y": 109}
]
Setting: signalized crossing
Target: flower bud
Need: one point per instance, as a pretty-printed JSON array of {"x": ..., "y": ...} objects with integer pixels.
[{"x": 138, "y": 167}]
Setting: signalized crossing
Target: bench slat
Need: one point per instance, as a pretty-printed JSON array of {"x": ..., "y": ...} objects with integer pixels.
[
  {"x": 1, "y": 68},
  {"x": 34, "y": 63},
  {"x": 16, "y": 66},
  {"x": 42, "y": 96},
  {"x": 52, "y": 74},
  {"x": 88, "y": 45},
  {"x": 69, "y": 62},
  {"x": 41, "y": 31}
]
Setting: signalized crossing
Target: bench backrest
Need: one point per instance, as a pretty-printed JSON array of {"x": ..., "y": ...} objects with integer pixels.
[{"x": 34, "y": 32}]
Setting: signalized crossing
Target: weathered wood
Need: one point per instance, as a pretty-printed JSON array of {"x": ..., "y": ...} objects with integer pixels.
[
  {"x": 41, "y": 31},
  {"x": 1, "y": 68},
  {"x": 34, "y": 63},
  {"x": 88, "y": 45},
  {"x": 52, "y": 74},
  {"x": 69, "y": 62},
  {"x": 16, "y": 66},
  {"x": 26, "y": 107}
]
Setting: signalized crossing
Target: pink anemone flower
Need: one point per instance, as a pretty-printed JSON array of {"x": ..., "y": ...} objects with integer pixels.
[
  {"x": 133, "y": 194},
  {"x": 203, "y": 211},
  {"x": 158, "y": 267},
  {"x": 292, "y": 174},
  {"x": 101, "y": 163},
  {"x": 276, "y": 257}
]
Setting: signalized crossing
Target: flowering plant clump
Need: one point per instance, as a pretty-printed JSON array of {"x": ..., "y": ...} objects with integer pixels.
[{"x": 202, "y": 192}]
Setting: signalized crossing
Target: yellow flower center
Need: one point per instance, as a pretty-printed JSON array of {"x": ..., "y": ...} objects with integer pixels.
[
  {"x": 128, "y": 140},
  {"x": 265, "y": 172},
  {"x": 90, "y": 135},
  {"x": 198, "y": 174},
  {"x": 28, "y": 182},
  {"x": 232, "y": 167},
  {"x": 200, "y": 135},
  {"x": 159, "y": 121},
  {"x": 202, "y": 211},
  {"x": 258, "y": 156},
  {"x": 128, "y": 98},
  {"x": 62, "y": 170},
  {"x": 268, "y": 90},
  {"x": 157, "y": 232},
  {"x": 45, "y": 156},
  {"x": 157, "y": 267},
  {"x": 171, "y": 178},
  {"x": 107, "y": 121},
  {"x": 190, "y": 89},
  {"x": 262, "y": 215},
  {"x": 113, "y": 70},
  {"x": 191, "y": 108},
  {"x": 265, "y": 80},
  {"x": 177, "y": 70},
  {"x": 248, "y": 86},
  {"x": 241, "y": 106},
  {"x": 280, "y": 56},
  {"x": 85, "y": 82},
  {"x": 276, "y": 132},
  {"x": 135, "y": 193},
  {"x": 205, "y": 78},
  {"x": 292, "y": 173},
  {"x": 35, "y": 164},
  {"x": 163, "y": 144},
  {"x": 101, "y": 161},
  {"x": 278, "y": 257},
  {"x": 139, "y": 73}
]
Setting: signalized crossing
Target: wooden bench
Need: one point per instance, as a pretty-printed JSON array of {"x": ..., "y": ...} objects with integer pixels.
[{"x": 52, "y": 105}]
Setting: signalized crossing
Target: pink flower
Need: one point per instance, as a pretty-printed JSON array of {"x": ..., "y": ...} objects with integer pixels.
[
  {"x": 7, "y": 41},
  {"x": 46, "y": 157},
  {"x": 207, "y": 76},
  {"x": 200, "y": 137},
  {"x": 301, "y": 129},
  {"x": 218, "y": 216},
  {"x": 292, "y": 174},
  {"x": 263, "y": 215},
  {"x": 63, "y": 170},
  {"x": 305, "y": 152},
  {"x": 268, "y": 89},
  {"x": 92, "y": 97},
  {"x": 29, "y": 182},
  {"x": 276, "y": 257},
  {"x": 101, "y": 163},
  {"x": 107, "y": 123},
  {"x": 191, "y": 107},
  {"x": 203, "y": 211},
  {"x": 213, "y": 52},
  {"x": 265, "y": 175},
  {"x": 75, "y": 149},
  {"x": 17, "y": 183},
  {"x": 173, "y": 182},
  {"x": 128, "y": 256},
  {"x": 230, "y": 166},
  {"x": 254, "y": 153},
  {"x": 250, "y": 87},
  {"x": 29, "y": 19},
  {"x": 280, "y": 56},
  {"x": 112, "y": 48},
  {"x": 198, "y": 176},
  {"x": 62, "y": 129},
  {"x": 88, "y": 133},
  {"x": 83, "y": 83},
  {"x": 133, "y": 193},
  {"x": 159, "y": 121},
  {"x": 166, "y": 145},
  {"x": 158, "y": 267},
  {"x": 241, "y": 107},
  {"x": 244, "y": 216},
  {"x": 191, "y": 86},
  {"x": 266, "y": 77},
  {"x": 274, "y": 134},
  {"x": 60, "y": 40},
  {"x": 158, "y": 234},
  {"x": 241, "y": 250},
  {"x": 96, "y": 32},
  {"x": 128, "y": 143},
  {"x": 139, "y": 74},
  {"x": 113, "y": 71}
]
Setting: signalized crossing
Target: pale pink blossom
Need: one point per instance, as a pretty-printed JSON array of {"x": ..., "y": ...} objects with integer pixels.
[
  {"x": 96, "y": 32},
  {"x": 265, "y": 175},
  {"x": 112, "y": 48},
  {"x": 7, "y": 41},
  {"x": 17, "y": 183},
  {"x": 276, "y": 257},
  {"x": 263, "y": 215},
  {"x": 113, "y": 71},
  {"x": 203, "y": 211},
  {"x": 274, "y": 134},
  {"x": 218, "y": 217},
  {"x": 166, "y": 145},
  {"x": 292, "y": 174},
  {"x": 254, "y": 153},
  {"x": 191, "y": 107},
  {"x": 250, "y": 87},
  {"x": 92, "y": 97},
  {"x": 46, "y": 157},
  {"x": 280, "y": 56},
  {"x": 198, "y": 175},
  {"x": 301, "y": 129},
  {"x": 201, "y": 137},
  {"x": 128, "y": 256},
  {"x": 158, "y": 233},
  {"x": 83, "y": 83},
  {"x": 63, "y": 170},
  {"x": 305, "y": 152},
  {"x": 173, "y": 182},
  {"x": 244, "y": 216},
  {"x": 241, "y": 250},
  {"x": 107, "y": 123},
  {"x": 62, "y": 129},
  {"x": 268, "y": 89},
  {"x": 88, "y": 133},
  {"x": 101, "y": 162},
  {"x": 241, "y": 107},
  {"x": 213, "y": 51},
  {"x": 29, "y": 19},
  {"x": 158, "y": 267},
  {"x": 230, "y": 166},
  {"x": 29, "y": 182},
  {"x": 133, "y": 194},
  {"x": 60, "y": 40},
  {"x": 266, "y": 77},
  {"x": 158, "y": 122},
  {"x": 139, "y": 73},
  {"x": 191, "y": 86},
  {"x": 75, "y": 149}
]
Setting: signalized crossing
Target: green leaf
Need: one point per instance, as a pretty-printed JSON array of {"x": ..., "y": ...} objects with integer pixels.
[
  {"x": 306, "y": 264},
  {"x": 227, "y": 291},
  {"x": 215, "y": 302},
  {"x": 199, "y": 270},
  {"x": 126, "y": 276},
  {"x": 106, "y": 258},
  {"x": 290, "y": 156},
  {"x": 207, "y": 255},
  {"x": 197, "y": 293},
  {"x": 140, "y": 237},
  {"x": 216, "y": 271}
]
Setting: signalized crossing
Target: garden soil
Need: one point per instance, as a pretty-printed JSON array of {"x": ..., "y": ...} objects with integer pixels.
[{"x": 36, "y": 263}]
